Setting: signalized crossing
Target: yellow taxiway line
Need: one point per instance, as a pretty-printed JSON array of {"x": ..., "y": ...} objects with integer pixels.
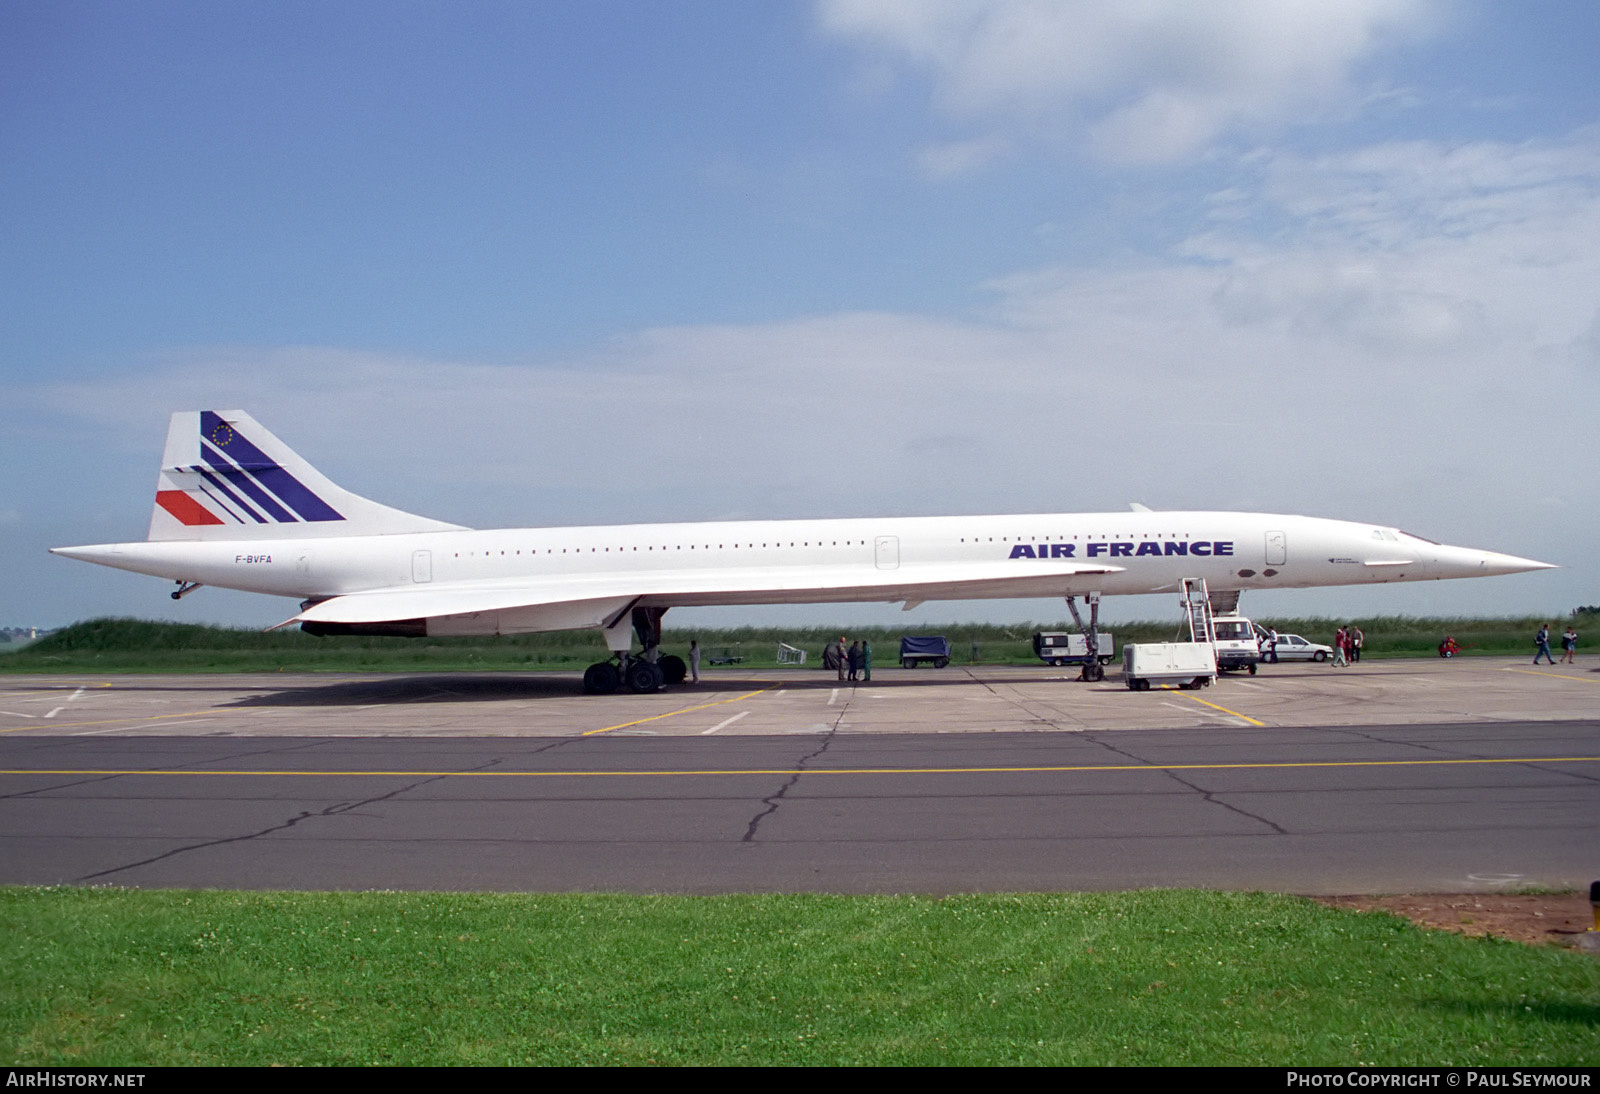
[
  {"x": 1022, "y": 770},
  {"x": 1225, "y": 710},
  {"x": 675, "y": 713},
  {"x": 1554, "y": 675},
  {"x": 42, "y": 724}
]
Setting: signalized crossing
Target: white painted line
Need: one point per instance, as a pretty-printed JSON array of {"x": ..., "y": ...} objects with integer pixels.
[
  {"x": 724, "y": 722},
  {"x": 62, "y": 707},
  {"x": 18, "y": 714},
  {"x": 1216, "y": 714},
  {"x": 141, "y": 725},
  {"x": 1497, "y": 880},
  {"x": 833, "y": 697}
]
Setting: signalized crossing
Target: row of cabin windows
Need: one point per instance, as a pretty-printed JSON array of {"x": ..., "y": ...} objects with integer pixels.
[
  {"x": 834, "y": 543},
  {"x": 1090, "y": 536},
  {"x": 679, "y": 547}
]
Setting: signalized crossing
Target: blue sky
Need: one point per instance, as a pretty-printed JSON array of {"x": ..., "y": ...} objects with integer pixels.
[{"x": 539, "y": 263}]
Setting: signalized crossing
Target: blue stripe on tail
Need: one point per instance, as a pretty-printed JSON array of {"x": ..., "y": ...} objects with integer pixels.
[{"x": 236, "y": 452}]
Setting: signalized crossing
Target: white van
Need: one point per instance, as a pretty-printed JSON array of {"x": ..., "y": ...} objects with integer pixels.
[{"x": 1238, "y": 643}]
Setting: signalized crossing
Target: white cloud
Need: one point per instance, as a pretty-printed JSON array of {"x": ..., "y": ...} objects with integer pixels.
[
  {"x": 1142, "y": 82},
  {"x": 960, "y": 157}
]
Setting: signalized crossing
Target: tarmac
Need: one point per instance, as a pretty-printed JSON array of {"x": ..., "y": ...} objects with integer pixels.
[
  {"x": 1477, "y": 775},
  {"x": 728, "y": 702}
]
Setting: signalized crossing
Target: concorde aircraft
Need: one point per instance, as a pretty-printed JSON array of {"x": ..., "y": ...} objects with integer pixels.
[{"x": 237, "y": 508}]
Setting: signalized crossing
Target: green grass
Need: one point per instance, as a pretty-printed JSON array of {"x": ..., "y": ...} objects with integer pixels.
[
  {"x": 131, "y": 645},
  {"x": 126, "y": 977}
]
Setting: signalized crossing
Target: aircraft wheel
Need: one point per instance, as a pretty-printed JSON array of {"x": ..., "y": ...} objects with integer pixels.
[
  {"x": 1094, "y": 673},
  {"x": 674, "y": 668},
  {"x": 601, "y": 678},
  {"x": 642, "y": 677}
]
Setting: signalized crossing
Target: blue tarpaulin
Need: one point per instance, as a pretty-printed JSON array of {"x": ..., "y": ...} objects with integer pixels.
[{"x": 924, "y": 645}]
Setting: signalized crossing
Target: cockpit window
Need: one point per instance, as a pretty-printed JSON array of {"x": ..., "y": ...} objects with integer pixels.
[{"x": 1424, "y": 539}]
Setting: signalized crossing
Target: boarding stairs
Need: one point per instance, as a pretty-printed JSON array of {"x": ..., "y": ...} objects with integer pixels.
[{"x": 1197, "y": 608}]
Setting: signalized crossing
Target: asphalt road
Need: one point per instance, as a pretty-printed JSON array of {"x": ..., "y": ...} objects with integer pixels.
[{"x": 1312, "y": 809}]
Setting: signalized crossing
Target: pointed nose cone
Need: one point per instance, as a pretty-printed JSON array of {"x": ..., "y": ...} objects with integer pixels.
[{"x": 1466, "y": 562}]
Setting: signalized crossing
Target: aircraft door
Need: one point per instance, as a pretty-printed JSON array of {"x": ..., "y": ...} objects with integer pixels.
[
  {"x": 1277, "y": 549},
  {"x": 421, "y": 566},
  {"x": 887, "y": 552}
]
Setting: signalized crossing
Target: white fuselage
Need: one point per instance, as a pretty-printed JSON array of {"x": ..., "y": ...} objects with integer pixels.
[
  {"x": 1140, "y": 552},
  {"x": 235, "y": 507}
]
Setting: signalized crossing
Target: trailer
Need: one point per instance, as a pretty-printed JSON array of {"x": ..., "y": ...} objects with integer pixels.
[
  {"x": 1186, "y": 664},
  {"x": 917, "y": 649},
  {"x": 1065, "y": 648}
]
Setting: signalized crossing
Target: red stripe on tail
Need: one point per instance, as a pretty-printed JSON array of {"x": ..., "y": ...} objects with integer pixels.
[{"x": 185, "y": 508}]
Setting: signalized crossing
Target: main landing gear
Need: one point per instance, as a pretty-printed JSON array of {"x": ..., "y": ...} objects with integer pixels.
[{"x": 643, "y": 672}]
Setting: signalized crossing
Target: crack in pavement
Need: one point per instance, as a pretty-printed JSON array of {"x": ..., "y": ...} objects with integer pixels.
[
  {"x": 330, "y": 811},
  {"x": 168, "y": 767},
  {"x": 1047, "y": 714},
  {"x": 1205, "y": 795},
  {"x": 773, "y": 800},
  {"x": 1442, "y": 750}
]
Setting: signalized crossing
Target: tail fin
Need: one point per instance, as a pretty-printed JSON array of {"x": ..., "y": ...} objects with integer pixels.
[{"x": 224, "y": 476}]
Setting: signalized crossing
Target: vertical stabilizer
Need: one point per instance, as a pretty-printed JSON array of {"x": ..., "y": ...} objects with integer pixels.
[{"x": 225, "y": 476}]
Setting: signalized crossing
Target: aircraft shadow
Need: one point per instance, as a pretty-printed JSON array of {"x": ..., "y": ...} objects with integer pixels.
[
  {"x": 504, "y": 687},
  {"x": 437, "y": 688}
]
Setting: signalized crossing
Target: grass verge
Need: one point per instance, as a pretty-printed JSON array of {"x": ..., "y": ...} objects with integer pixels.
[{"x": 131, "y": 977}]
